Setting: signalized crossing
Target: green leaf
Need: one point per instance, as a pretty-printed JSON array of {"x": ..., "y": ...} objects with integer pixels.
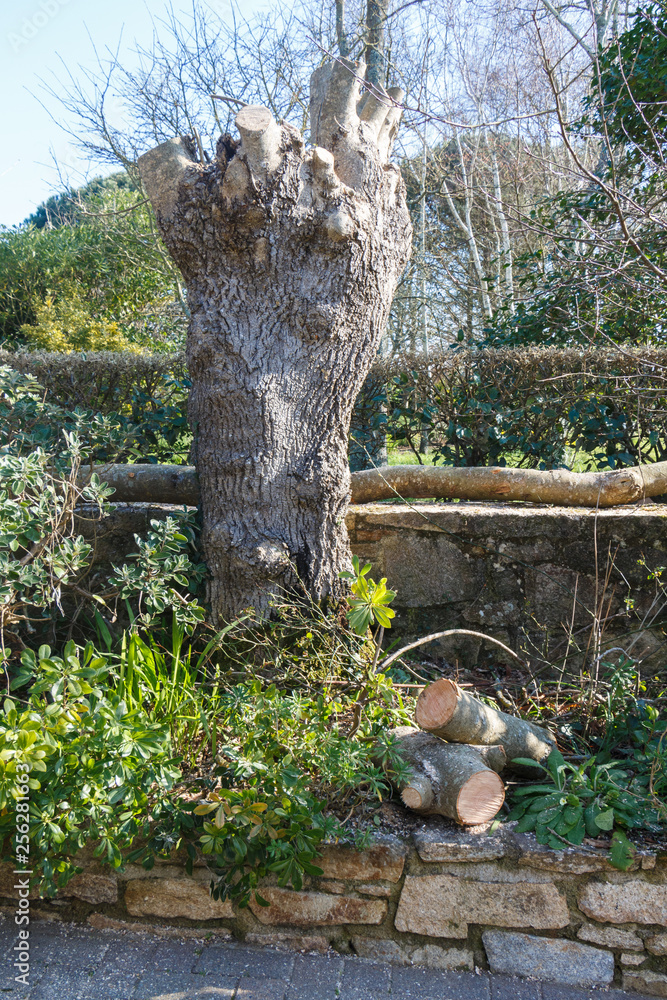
[
  {"x": 605, "y": 820},
  {"x": 555, "y": 765},
  {"x": 528, "y": 762},
  {"x": 622, "y": 852}
]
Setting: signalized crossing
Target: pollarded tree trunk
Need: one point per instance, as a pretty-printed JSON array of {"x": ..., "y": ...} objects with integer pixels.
[{"x": 291, "y": 258}]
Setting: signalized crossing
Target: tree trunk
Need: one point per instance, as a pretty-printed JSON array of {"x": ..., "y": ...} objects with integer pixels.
[
  {"x": 291, "y": 258},
  {"x": 450, "y": 779},
  {"x": 445, "y": 710}
]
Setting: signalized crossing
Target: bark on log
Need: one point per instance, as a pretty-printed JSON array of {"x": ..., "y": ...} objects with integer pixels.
[
  {"x": 445, "y": 710},
  {"x": 178, "y": 484},
  {"x": 554, "y": 486},
  {"x": 449, "y": 779},
  {"x": 290, "y": 257}
]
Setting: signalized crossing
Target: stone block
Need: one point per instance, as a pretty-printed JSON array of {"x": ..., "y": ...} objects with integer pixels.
[
  {"x": 174, "y": 897},
  {"x": 436, "y": 842},
  {"x": 490, "y": 871},
  {"x": 444, "y": 905},
  {"x": 101, "y": 922},
  {"x": 92, "y": 888},
  {"x": 657, "y": 944},
  {"x": 290, "y": 942},
  {"x": 381, "y": 951},
  {"x": 632, "y": 958},
  {"x": 628, "y": 902},
  {"x": 571, "y": 860},
  {"x": 315, "y": 909},
  {"x": 549, "y": 588},
  {"x": 652, "y": 983},
  {"x": 400, "y": 953},
  {"x": 89, "y": 886},
  {"x": 554, "y": 959},
  {"x": 611, "y": 937},
  {"x": 382, "y": 861},
  {"x": 436, "y": 957},
  {"x": 432, "y": 569},
  {"x": 331, "y": 885},
  {"x": 8, "y": 883},
  {"x": 374, "y": 889}
]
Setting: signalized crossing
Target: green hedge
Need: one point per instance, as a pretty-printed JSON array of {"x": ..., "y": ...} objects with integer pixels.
[
  {"x": 146, "y": 392},
  {"x": 536, "y": 407},
  {"x": 105, "y": 381}
]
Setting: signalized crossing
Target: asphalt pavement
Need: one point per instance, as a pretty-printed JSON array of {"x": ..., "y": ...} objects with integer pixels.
[{"x": 74, "y": 962}]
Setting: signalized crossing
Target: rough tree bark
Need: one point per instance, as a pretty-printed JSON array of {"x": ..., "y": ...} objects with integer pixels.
[{"x": 291, "y": 257}]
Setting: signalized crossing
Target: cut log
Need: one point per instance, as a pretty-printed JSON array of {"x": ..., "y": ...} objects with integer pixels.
[
  {"x": 178, "y": 484},
  {"x": 445, "y": 710},
  {"x": 449, "y": 779},
  {"x": 554, "y": 486}
]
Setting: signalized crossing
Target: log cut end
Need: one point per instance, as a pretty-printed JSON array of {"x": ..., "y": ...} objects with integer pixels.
[
  {"x": 436, "y": 704},
  {"x": 418, "y": 794},
  {"x": 480, "y": 798}
]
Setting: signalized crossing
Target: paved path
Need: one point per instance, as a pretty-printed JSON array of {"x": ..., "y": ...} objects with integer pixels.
[{"x": 70, "y": 962}]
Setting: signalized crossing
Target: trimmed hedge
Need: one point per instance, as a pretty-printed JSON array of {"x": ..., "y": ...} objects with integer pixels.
[
  {"x": 146, "y": 392},
  {"x": 105, "y": 381},
  {"x": 534, "y": 407}
]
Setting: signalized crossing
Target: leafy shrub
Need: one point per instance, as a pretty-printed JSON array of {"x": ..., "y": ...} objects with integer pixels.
[
  {"x": 44, "y": 561},
  {"x": 98, "y": 256},
  {"x": 538, "y": 407},
  {"x": 587, "y": 799},
  {"x": 64, "y": 325},
  {"x": 370, "y": 601},
  {"x": 96, "y": 767},
  {"x": 155, "y": 743},
  {"x": 142, "y": 397},
  {"x": 284, "y": 771}
]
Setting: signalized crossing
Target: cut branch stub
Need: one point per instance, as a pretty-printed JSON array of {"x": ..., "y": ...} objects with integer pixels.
[
  {"x": 291, "y": 258},
  {"x": 260, "y": 140},
  {"x": 445, "y": 710},
  {"x": 449, "y": 779},
  {"x": 163, "y": 169}
]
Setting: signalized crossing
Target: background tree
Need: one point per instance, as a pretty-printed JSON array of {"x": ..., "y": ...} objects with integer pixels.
[
  {"x": 84, "y": 272},
  {"x": 600, "y": 275}
]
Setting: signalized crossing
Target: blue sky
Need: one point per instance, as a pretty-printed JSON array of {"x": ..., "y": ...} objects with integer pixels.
[{"x": 34, "y": 36}]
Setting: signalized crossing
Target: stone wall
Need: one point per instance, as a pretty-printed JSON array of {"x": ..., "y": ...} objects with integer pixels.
[
  {"x": 442, "y": 897},
  {"x": 522, "y": 573},
  {"x": 525, "y": 574}
]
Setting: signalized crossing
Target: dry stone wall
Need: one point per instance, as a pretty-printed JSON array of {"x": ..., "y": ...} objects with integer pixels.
[
  {"x": 442, "y": 897},
  {"x": 522, "y": 573}
]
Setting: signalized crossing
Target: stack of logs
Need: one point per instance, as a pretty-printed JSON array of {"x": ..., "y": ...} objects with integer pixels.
[{"x": 457, "y": 754}]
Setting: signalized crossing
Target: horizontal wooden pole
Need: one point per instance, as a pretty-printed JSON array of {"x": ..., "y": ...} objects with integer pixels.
[{"x": 177, "y": 484}]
